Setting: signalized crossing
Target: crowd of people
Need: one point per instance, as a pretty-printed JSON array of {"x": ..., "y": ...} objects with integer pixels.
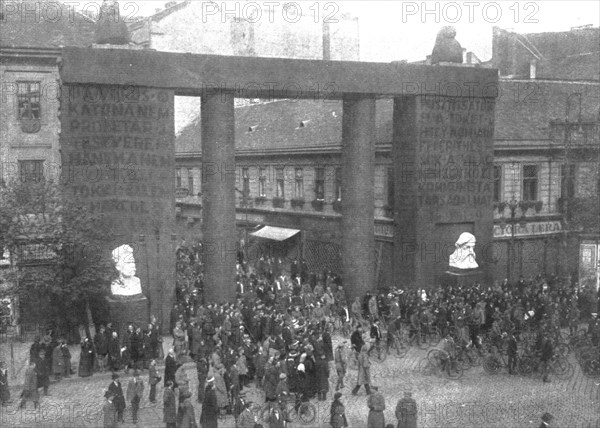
[{"x": 277, "y": 337}]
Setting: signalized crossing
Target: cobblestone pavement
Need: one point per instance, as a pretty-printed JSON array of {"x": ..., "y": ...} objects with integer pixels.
[{"x": 476, "y": 400}]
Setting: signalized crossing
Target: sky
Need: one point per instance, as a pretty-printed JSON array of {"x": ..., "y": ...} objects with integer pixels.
[{"x": 396, "y": 30}]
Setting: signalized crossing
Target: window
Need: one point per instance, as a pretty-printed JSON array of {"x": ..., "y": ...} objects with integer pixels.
[
  {"x": 31, "y": 170},
  {"x": 299, "y": 184},
  {"x": 262, "y": 183},
  {"x": 530, "y": 182},
  {"x": 320, "y": 183},
  {"x": 191, "y": 181},
  {"x": 567, "y": 181},
  {"x": 178, "y": 179},
  {"x": 28, "y": 99},
  {"x": 245, "y": 183},
  {"x": 280, "y": 183},
  {"x": 338, "y": 184},
  {"x": 497, "y": 183},
  {"x": 390, "y": 189}
]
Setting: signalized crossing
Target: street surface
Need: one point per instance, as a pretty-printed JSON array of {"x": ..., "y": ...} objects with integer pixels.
[{"x": 476, "y": 400}]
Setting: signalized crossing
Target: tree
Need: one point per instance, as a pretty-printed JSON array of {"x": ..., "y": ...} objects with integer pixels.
[{"x": 61, "y": 250}]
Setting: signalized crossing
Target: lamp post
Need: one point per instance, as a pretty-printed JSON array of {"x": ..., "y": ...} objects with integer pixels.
[
  {"x": 515, "y": 218},
  {"x": 245, "y": 208},
  {"x": 567, "y": 173}
]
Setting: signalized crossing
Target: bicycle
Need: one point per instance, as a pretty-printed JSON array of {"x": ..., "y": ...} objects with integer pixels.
[
  {"x": 558, "y": 366},
  {"x": 441, "y": 361}
]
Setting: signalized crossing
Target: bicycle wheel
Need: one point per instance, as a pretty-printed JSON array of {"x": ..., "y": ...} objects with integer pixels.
[
  {"x": 435, "y": 356},
  {"x": 525, "y": 366},
  {"x": 307, "y": 413},
  {"x": 562, "y": 369},
  {"x": 474, "y": 357},
  {"x": 434, "y": 337},
  {"x": 491, "y": 365},
  {"x": 425, "y": 367},
  {"x": 455, "y": 370}
]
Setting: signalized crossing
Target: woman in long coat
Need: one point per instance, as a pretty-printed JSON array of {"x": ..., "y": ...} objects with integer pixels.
[
  {"x": 210, "y": 408},
  {"x": 189, "y": 415},
  {"x": 169, "y": 405},
  {"x": 86, "y": 359},
  {"x": 30, "y": 392},
  {"x": 322, "y": 369},
  {"x": 220, "y": 388}
]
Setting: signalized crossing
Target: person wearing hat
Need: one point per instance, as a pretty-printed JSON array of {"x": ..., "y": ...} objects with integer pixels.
[
  {"x": 282, "y": 391},
  {"x": 210, "y": 409},
  {"x": 406, "y": 411},
  {"x": 547, "y": 419},
  {"x": 109, "y": 411},
  {"x": 376, "y": 404},
  {"x": 101, "y": 346},
  {"x": 337, "y": 412},
  {"x": 135, "y": 392},
  {"x": 116, "y": 390}
]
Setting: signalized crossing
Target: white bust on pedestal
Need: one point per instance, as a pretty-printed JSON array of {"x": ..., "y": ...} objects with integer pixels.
[
  {"x": 463, "y": 256},
  {"x": 127, "y": 284}
]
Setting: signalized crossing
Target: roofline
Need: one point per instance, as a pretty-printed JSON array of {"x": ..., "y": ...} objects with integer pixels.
[
  {"x": 29, "y": 52},
  {"x": 546, "y": 80}
]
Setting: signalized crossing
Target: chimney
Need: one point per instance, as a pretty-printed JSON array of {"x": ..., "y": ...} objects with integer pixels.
[
  {"x": 469, "y": 57},
  {"x": 326, "y": 41},
  {"x": 532, "y": 68}
]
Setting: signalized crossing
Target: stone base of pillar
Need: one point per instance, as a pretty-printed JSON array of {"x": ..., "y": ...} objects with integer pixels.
[
  {"x": 462, "y": 278},
  {"x": 125, "y": 311}
]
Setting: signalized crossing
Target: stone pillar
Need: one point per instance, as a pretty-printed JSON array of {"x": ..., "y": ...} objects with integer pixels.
[
  {"x": 443, "y": 152},
  {"x": 358, "y": 171},
  {"x": 218, "y": 197}
]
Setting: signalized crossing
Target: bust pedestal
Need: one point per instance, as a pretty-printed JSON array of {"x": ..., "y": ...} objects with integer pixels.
[
  {"x": 126, "y": 310},
  {"x": 462, "y": 277}
]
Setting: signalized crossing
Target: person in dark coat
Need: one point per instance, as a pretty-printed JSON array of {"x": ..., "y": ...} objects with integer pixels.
[
  {"x": 4, "y": 390},
  {"x": 406, "y": 411},
  {"x": 135, "y": 393},
  {"x": 86, "y": 359},
  {"x": 66, "y": 356},
  {"x": 376, "y": 404},
  {"x": 34, "y": 350},
  {"x": 546, "y": 355},
  {"x": 114, "y": 352},
  {"x": 101, "y": 347},
  {"x": 188, "y": 419},
  {"x": 119, "y": 400},
  {"x": 322, "y": 371},
  {"x": 153, "y": 379},
  {"x": 109, "y": 411},
  {"x": 42, "y": 369},
  {"x": 169, "y": 406},
  {"x": 57, "y": 362},
  {"x": 337, "y": 412},
  {"x": 170, "y": 368},
  {"x": 210, "y": 409},
  {"x": 30, "y": 392},
  {"x": 202, "y": 372},
  {"x": 327, "y": 344}
]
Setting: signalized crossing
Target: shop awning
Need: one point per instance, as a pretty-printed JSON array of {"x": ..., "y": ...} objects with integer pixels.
[{"x": 275, "y": 233}]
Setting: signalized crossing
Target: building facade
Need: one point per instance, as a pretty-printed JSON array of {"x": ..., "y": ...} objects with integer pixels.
[{"x": 546, "y": 158}]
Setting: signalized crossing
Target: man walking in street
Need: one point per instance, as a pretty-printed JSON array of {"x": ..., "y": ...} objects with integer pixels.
[
  {"x": 406, "y": 411},
  {"x": 169, "y": 406},
  {"x": 512, "y": 353},
  {"x": 119, "y": 399},
  {"x": 153, "y": 379},
  {"x": 341, "y": 363},
  {"x": 364, "y": 371},
  {"x": 30, "y": 391},
  {"x": 376, "y": 404},
  {"x": 135, "y": 392}
]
